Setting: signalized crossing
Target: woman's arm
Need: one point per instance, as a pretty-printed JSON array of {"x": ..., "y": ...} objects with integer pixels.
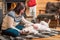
[
  {"x": 26, "y": 21},
  {"x": 11, "y": 23}
]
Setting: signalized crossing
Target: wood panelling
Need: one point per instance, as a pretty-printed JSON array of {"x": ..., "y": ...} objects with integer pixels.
[
  {"x": 0, "y": 0},
  {"x": 41, "y": 4}
]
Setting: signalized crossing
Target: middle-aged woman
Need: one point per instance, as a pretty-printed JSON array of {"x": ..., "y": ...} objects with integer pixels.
[{"x": 11, "y": 21}]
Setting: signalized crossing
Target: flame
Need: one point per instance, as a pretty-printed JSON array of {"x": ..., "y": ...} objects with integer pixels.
[{"x": 13, "y": 5}]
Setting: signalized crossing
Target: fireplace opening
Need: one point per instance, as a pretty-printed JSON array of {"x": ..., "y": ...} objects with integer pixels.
[
  {"x": 11, "y": 6},
  {"x": 8, "y": 6}
]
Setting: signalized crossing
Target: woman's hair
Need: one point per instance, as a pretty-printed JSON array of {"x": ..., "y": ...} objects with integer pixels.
[{"x": 18, "y": 8}]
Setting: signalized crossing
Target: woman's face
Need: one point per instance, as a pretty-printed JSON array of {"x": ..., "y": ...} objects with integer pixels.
[{"x": 22, "y": 11}]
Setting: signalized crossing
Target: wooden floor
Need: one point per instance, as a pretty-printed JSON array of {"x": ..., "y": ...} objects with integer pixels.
[{"x": 57, "y": 37}]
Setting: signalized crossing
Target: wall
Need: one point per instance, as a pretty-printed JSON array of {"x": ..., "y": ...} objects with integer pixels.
[{"x": 41, "y": 4}]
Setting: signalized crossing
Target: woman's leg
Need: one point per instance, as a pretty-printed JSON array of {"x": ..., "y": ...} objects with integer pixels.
[
  {"x": 20, "y": 27},
  {"x": 11, "y": 32}
]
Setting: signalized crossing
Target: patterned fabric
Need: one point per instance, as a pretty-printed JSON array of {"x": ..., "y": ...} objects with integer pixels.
[
  {"x": 31, "y": 36},
  {"x": 42, "y": 34}
]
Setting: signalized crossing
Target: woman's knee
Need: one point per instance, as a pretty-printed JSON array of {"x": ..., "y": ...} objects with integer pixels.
[{"x": 20, "y": 27}]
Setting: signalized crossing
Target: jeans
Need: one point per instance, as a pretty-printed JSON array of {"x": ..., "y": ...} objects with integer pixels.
[{"x": 13, "y": 32}]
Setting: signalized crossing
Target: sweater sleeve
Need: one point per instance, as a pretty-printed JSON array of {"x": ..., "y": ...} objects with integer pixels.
[{"x": 26, "y": 21}]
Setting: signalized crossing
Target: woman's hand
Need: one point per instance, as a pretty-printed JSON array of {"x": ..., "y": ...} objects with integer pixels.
[
  {"x": 35, "y": 26},
  {"x": 23, "y": 32}
]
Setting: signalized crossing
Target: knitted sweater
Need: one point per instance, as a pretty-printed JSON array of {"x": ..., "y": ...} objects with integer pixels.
[{"x": 10, "y": 21}]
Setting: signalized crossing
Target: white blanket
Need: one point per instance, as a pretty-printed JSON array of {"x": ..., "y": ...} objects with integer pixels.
[{"x": 42, "y": 26}]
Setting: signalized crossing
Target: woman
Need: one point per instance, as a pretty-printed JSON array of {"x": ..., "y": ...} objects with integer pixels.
[{"x": 11, "y": 22}]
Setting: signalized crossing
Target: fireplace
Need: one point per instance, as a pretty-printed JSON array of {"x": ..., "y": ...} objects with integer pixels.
[{"x": 7, "y": 4}]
